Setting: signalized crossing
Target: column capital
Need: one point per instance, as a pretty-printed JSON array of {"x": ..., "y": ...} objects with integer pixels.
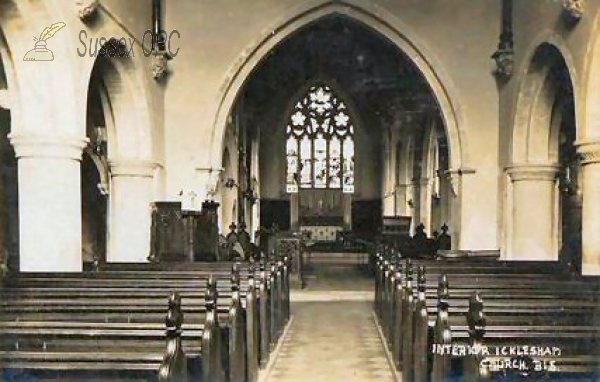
[
  {"x": 589, "y": 151},
  {"x": 455, "y": 175},
  {"x": 542, "y": 172},
  {"x": 210, "y": 170},
  {"x": 423, "y": 181},
  {"x": 209, "y": 179},
  {"x": 133, "y": 168},
  {"x": 48, "y": 146}
]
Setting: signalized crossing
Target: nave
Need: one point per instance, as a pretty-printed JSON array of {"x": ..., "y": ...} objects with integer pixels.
[
  {"x": 332, "y": 335},
  {"x": 155, "y": 209}
]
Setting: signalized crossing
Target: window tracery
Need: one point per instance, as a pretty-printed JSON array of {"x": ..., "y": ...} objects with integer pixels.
[{"x": 320, "y": 143}]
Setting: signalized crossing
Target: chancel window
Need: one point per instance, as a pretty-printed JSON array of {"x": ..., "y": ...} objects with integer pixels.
[{"x": 320, "y": 143}]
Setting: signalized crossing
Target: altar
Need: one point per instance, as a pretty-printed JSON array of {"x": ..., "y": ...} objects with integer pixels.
[{"x": 323, "y": 214}]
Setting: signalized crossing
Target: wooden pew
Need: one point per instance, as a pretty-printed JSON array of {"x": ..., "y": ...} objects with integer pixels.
[
  {"x": 132, "y": 307},
  {"x": 562, "y": 352},
  {"x": 533, "y": 304},
  {"x": 61, "y": 349}
]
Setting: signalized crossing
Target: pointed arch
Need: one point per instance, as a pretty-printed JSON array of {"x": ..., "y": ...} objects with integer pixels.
[
  {"x": 378, "y": 20},
  {"x": 534, "y": 136},
  {"x": 129, "y": 123}
]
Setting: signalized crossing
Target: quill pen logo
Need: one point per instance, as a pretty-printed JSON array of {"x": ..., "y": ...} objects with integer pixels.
[{"x": 40, "y": 52}]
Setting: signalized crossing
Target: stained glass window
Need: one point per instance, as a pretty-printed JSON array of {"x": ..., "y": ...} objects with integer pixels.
[{"x": 320, "y": 143}]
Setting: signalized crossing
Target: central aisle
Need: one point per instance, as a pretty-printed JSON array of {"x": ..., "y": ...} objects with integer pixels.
[{"x": 332, "y": 335}]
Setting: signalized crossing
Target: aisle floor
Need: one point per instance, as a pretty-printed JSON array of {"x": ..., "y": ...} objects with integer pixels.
[{"x": 332, "y": 335}]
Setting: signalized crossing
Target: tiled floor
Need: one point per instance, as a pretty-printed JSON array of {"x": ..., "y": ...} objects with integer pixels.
[{"x": 332, "y": 335}]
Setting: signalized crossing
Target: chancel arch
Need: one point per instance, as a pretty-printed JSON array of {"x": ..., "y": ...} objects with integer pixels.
[
  {"x": 330, "y": 162},
  {"x": 370, "y": 15},
  {"x": 542, "y": 205}
]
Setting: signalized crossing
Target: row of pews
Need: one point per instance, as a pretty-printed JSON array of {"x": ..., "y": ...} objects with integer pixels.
[
  {"x": 487, "y": 320},
  {"x": 214, "y": 322}
]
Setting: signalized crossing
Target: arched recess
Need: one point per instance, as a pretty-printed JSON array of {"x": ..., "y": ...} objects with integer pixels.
[
  {"x": 378, "y": 20},
  {"x": 9, "y": 204},
  {"x": 118, "y": 163},
  {"x": 435, "y": 186},
  {"x": 542, "y": 157}
]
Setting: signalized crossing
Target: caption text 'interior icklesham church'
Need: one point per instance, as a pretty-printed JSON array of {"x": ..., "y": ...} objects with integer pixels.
[{"x": 315, "y": 190}]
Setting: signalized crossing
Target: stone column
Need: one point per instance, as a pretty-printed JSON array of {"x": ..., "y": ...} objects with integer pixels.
[
  {"x": 425, "y": 204},
  {"x": 415, "y": 198},
  {"x": 534, "y": 212},
  {"x": 294, "y": 211},
  {"x": 590, "y": 225},
  {"x": 402, "y": 199},
  {"x": 49, "y": 202},
  {"x": 347, "y": 205},
  {"x": 130, "y": 212},
  {"x": 389, "y": 203}
]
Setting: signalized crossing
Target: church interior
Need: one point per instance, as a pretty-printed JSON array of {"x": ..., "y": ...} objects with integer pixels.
[{"x": 323, "y": 190}]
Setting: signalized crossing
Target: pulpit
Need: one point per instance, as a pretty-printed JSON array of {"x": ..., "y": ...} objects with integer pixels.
[
  {"x": 206, "y": 232},
  {"x": 183, "y": 235},
  {"x": 168, "y": 234}
]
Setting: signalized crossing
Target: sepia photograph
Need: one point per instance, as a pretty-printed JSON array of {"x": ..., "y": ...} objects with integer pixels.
[{"x": 299, "y": 190}]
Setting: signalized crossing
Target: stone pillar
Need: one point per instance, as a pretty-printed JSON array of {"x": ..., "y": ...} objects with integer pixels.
[
  {"x": 347, "y": 205},
  {"x": 445, "y": 200},
  {"x": 49, "y": 202},
  {"x": 415, "y": 198},
  {"x": 389, "y": 204},
  {"x": 425, "y": 204},
  {"x": 401, "y": 200},
  {"x": 534, "y": 212},
  {"x": 590, "y": 225},
  {"x": 294, "y": 211},
  {"x": 130, "y": 211}
]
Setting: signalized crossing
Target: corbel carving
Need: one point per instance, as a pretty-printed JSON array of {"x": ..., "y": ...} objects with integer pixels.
[
  {"x": 589, "y": 152},
  {"x": 574, "y": 8},
  {"x": 505, "y": 62},
  {"x": 86, "y": 9},
  {"x": 160, "y": 65},
  {"x": 505, "y": 55}
]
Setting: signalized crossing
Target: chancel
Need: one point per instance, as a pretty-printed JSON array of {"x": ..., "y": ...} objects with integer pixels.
[{"x": 277, "y": 190}]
